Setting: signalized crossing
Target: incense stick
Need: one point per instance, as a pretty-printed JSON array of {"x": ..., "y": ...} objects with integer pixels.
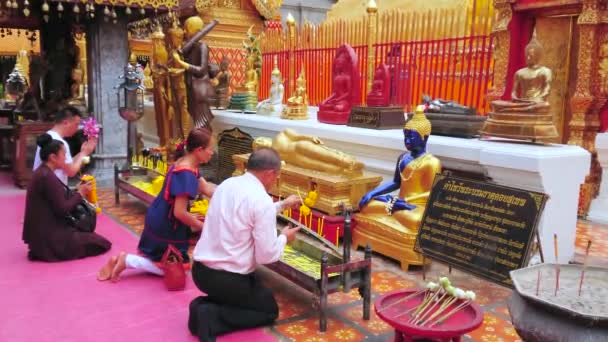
[
  {"x": 301, "y": 200},
  {"x": 557, "y": 270},
  {"x": 537, "y": 281},
  {"x": 401, "y": 300},
  {"x": 322, "y": 224},
  {"x": 580, "y": 285},
  {"x": 338, "y": 237}
]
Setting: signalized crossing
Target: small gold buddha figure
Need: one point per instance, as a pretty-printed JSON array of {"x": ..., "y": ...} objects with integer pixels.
[
  {"x": 273, "y": 105},
  {"x": 148, "y": 81},
  {"x": 77, "y": 78},
  {"x": 308, "y": 152},
  {"x": 24, "y": 61},
  {"x": 390, "y": 222},
  {"x": 297, "y": 105},
  {"x": 527, "y": 115},
  {"x": 251, "y": 77},
  {"x": 77, "y": 87},
  {"x": 245, "y": 97}
]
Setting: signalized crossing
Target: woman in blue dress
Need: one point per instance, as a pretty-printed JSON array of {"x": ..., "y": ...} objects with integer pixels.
[{"x": 168, "y": 221}]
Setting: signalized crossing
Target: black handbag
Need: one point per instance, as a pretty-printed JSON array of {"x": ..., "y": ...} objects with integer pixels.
[{"x": 83, "y": 217}]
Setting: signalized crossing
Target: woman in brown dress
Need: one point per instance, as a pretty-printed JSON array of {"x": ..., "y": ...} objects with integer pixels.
[{"x": 45, "y": 228}]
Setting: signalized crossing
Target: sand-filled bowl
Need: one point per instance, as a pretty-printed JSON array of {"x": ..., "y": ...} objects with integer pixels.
[{"x": 592, "y": 304}]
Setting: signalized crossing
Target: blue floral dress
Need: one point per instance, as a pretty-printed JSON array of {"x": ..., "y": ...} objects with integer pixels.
[{"x": 161, "y": 228}]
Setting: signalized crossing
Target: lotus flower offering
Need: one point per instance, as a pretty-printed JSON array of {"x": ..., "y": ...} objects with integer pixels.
[{"x": 90, "y": 128}]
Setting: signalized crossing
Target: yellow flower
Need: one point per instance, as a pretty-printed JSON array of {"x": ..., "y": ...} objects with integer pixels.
[
  {"x": 344, "y": 334},
  {"x": 489, "y": 320},
  {"x": 377, "y": 325},
  {"x": 491, "y": 338},
  {"x": 314, "y": 339},
  {"x": 297, "y": 329}
]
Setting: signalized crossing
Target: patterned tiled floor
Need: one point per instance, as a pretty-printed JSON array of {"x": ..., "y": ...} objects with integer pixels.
[{"x": 298, "y": 322}]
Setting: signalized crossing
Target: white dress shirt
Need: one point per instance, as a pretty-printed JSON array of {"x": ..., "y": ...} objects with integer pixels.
[
  {"x": 240, "y": 229},
  {"x": 68, "y": 156}
]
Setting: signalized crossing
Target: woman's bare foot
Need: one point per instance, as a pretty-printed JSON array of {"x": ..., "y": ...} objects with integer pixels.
[
  {"x": 106, "y": 271},
  {"x": 119, "y": 267}
]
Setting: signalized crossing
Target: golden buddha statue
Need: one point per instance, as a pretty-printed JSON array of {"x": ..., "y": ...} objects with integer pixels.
[
  {"x": 178, "y": 80},
  {"x": 245, "y": 97},
  {"x": 24, "y": 61},
  {"x": 527, "y": 115},
  {"x": 148, "y": 81},
  {"x": 388, "y": 222},
  {"x": 161, "y": 90},
  {"x": 77, "y": 87},
  {"x": 308, "y": 152},
  {"x": 297, "y": 105},
  {"x": 274, "y": 103},
  {"x": 251, "y": 76}
]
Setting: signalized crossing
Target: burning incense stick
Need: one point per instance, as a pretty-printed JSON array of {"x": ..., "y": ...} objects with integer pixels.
[
  {"x": 580, "y": 285},
  {"x": 556, "y": 265},
  {"x": 537, "y": 281},
  {"x": 322, "y": 225},
  {"x": 338, "y": 237}
]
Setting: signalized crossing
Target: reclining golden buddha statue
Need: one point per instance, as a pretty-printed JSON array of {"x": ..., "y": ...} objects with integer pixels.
[
  {"x": 338, "y": 177},
  {"x": 389, "y": 223}
]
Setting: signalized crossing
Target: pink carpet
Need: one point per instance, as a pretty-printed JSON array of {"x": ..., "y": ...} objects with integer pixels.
[{"x": 64, "y": 302}]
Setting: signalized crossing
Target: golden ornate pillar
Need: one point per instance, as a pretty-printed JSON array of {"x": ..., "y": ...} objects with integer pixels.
[
  {"x": 291, "y": 33},
  {"x": 587, "y": 99},
  {"x": 372, "y": 16},
  {"x": 501, "y": 39}
]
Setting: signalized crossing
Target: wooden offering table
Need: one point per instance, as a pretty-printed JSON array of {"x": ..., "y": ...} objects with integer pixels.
[
  {"x": 126, "y": 180},
  {"x": 318, "y": 267}
]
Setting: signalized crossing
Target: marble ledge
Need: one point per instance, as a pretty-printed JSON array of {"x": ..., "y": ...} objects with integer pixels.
[{"x": 462, "y": 153}]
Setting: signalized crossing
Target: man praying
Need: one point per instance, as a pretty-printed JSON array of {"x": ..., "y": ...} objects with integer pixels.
[{"x": 239, "y": 233}]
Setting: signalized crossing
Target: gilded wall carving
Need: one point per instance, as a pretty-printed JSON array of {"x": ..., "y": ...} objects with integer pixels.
[
  {"x": 501, "y": 41},
  {"x": 603, "y": 67}
]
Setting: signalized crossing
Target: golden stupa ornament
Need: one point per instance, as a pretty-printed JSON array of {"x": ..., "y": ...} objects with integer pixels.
[{"x": 528, "y": 115}]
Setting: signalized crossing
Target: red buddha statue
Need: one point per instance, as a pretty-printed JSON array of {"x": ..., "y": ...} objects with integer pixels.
[
  {"x": 379, "y": 96},
  {"x": 346, "y": 88}
]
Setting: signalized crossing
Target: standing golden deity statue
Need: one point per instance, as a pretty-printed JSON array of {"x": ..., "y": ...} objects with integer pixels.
[
  {"x": 177, "y": 80},
  {"x": 388, "y": 222},
  {"x": 297, "y": 105},
  {"x": 274, "y": 104},
  {"x": 161, "y": 90},
  {"x": 527, "y": 115}
]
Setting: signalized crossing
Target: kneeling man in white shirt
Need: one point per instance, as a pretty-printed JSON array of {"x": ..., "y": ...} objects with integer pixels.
[{"x": 239, "y": 233}]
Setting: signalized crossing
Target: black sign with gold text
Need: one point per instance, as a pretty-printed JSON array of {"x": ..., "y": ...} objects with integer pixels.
[{"x": 479, "y": 227}]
